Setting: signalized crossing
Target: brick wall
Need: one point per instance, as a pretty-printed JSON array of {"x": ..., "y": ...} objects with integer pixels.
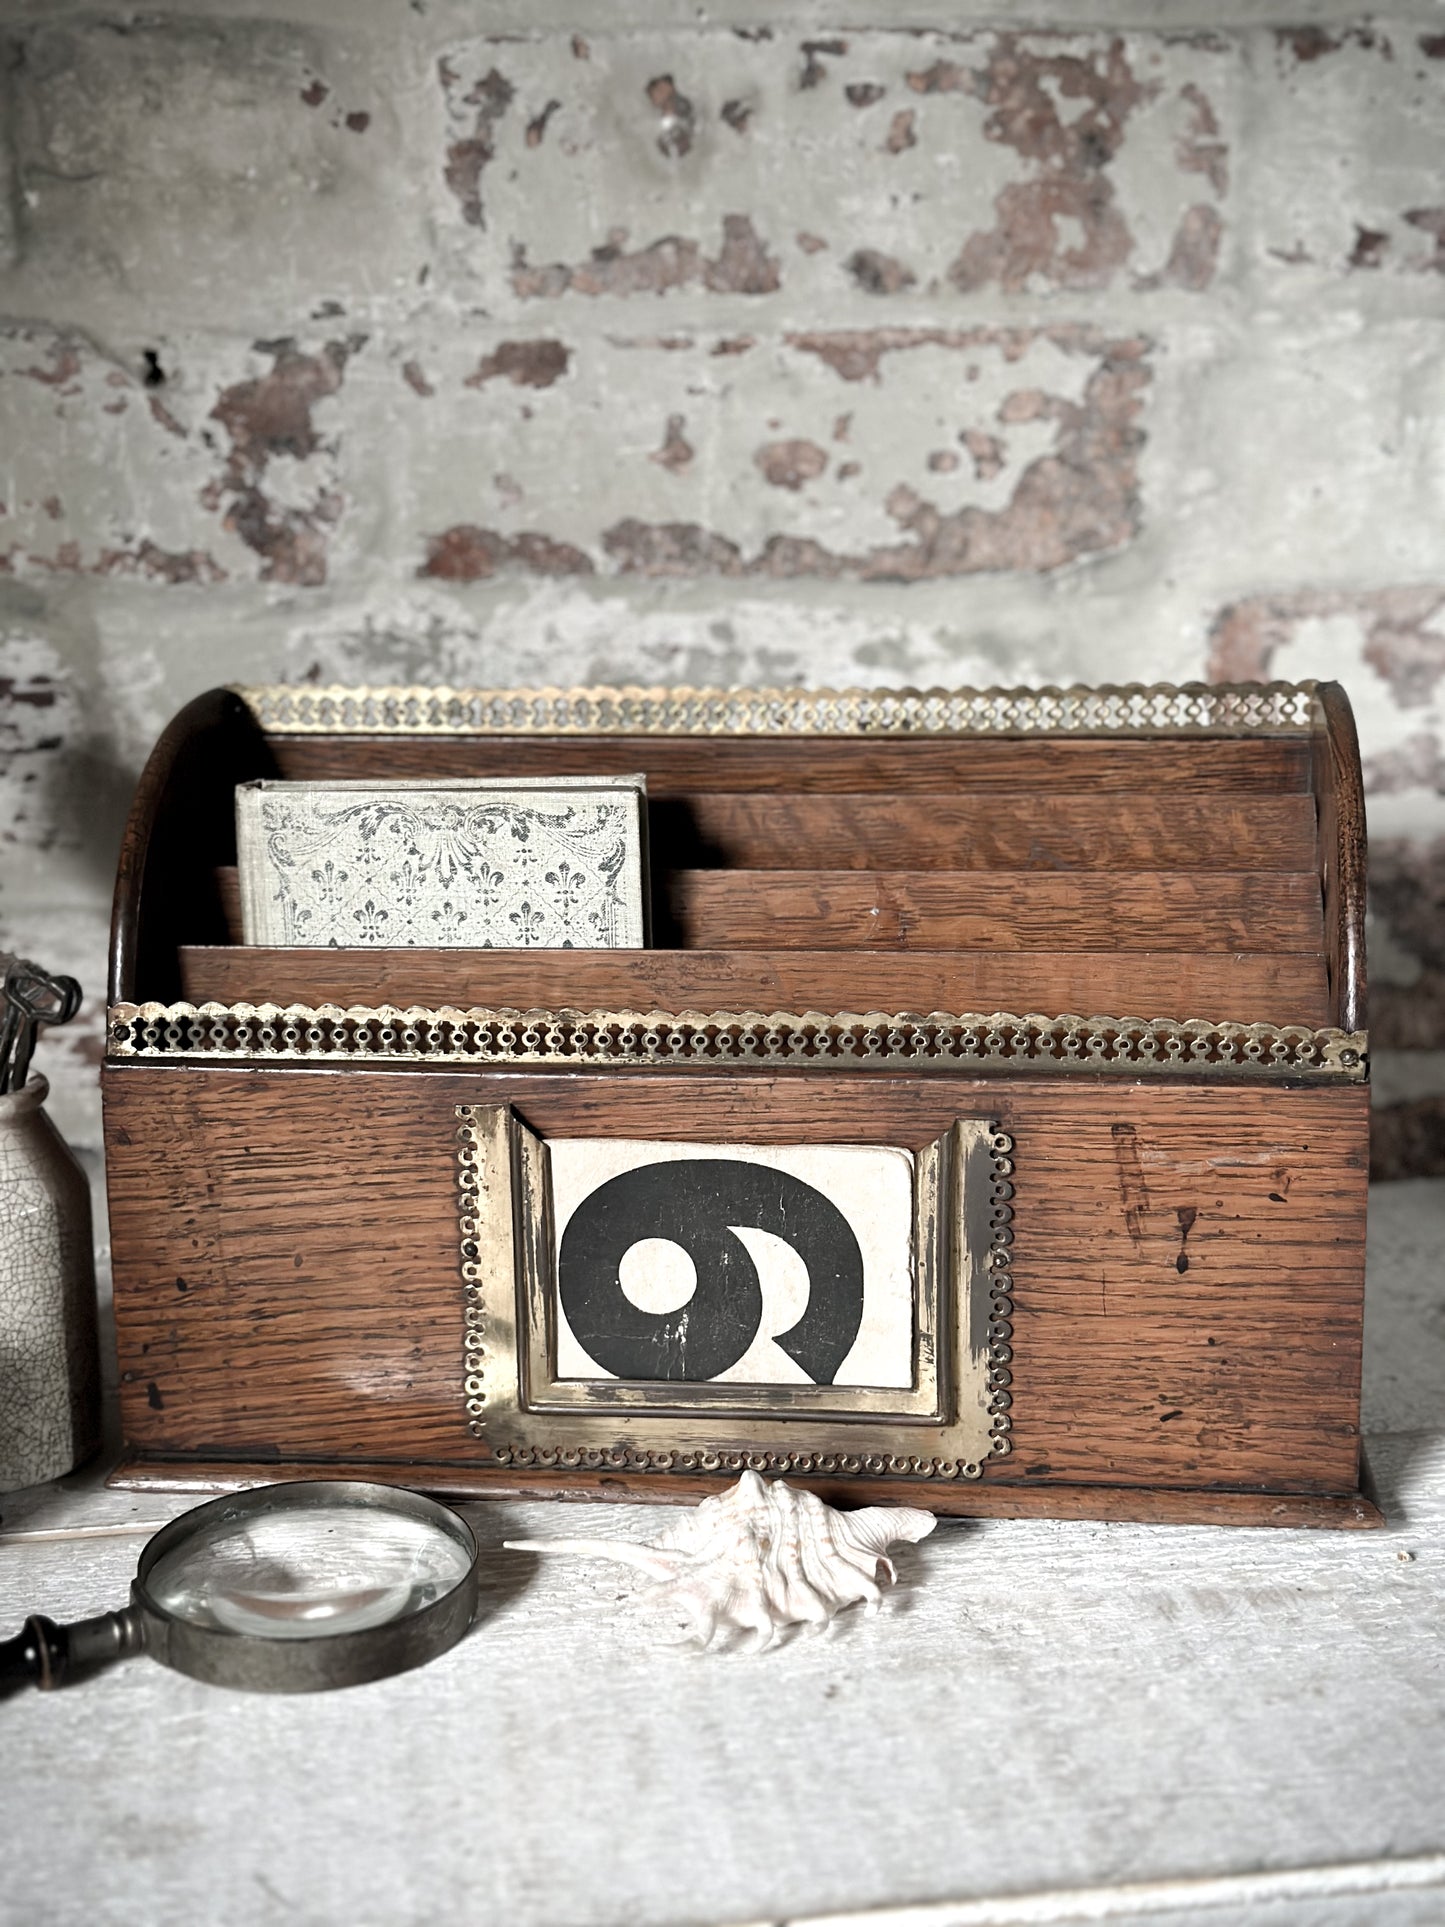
[{"x": 448, "y": 342}]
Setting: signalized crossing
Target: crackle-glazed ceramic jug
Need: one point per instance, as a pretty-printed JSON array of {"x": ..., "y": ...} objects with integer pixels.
[{"x": 49, "y": 1379}]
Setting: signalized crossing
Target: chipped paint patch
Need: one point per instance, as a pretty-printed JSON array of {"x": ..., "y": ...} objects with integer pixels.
[
  {"x": 1407, "y": 900},
  {"x": 527, "y": 364},
  {"x": 1024, "y": 162},
  {"x": 967, "y": 450},
  {"x": 466, "y": 553},
  {"x": 742, "y": 265},
  {"x": 271, "y": 417},
  {"x": 39, "y": 719},
  {"x": 1352, "y": 129},
  {"x": 1402, "y": 635}
]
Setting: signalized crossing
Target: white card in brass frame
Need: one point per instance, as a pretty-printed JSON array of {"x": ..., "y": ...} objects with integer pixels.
[{"x": 947, "y": 1424}]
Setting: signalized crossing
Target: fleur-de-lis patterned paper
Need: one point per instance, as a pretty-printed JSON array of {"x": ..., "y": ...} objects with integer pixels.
[{"x": 493, "y": 864}]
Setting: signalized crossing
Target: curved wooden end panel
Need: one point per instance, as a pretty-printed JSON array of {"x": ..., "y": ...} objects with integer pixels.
[
  {"x": 181, "y": 823},
  {"x": 1340, "y": 802}
]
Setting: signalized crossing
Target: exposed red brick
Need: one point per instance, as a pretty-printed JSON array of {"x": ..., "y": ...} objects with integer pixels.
[
  {"x": 1313, "y": 43},
  {"x": 291, "y": 542},
  {"x": 900, "y": 136},
  {"x": 466, "y": 553},
  {"x": 1432, "y": 45},
  {"x": 537, "y": 126},
  {"x": 670, "y": 548},
  {"x": 734, "y": 345},
  {"x": 942, "y": 461},
  {"x": 811, "y": 243},
  {"x": 737, "y": 114},
  {"x": 358, "y": 122},
  {"x": 64, "y": 369},
  {"x": 1026, "y": 240},
  {"x": 1369, "y": 248},
  {"x": 790, "y": 464},
  {"x": 813, "y": 68},
  {"x": 987, "y": 452},
  {"x": 527, "y": 364},
  {"x": 315, "y": 93},
  {"x": 36, "y": 692},
  {"x": 413, "y": 374},
  {"x": 580, "y": 48},
  {"x": 1026, "y": 93},
  {"x": 468, "y": 157},
  {"x": 669, "y": 263},
  {"x": 1194, "y": 251},
  {"x": 1432, "y": 221},
  {"x": 879, "y": 273},
  {"x": 943, "y": 77},
  {"x": 1404, "y": 634},
  {"x": 863, "y": 93},
  {"x": 1031, "y": 405},
  {"x": 676, "y": 451},
  {"x": 1417, "y": 763},
  {"x": 163, "y": 418},
  {"x": 53, "y": 507},
  {"x": 160, "y": 565},
  {"x": 675, "y": 117},
  {"x": 1407, "y": 1140},
  {"x": 1407, "y": 894},
  {"x": 1199, "y": 149},
  {"x": 848, "y": 470},
  {"x": 855, "y": 354},
  {"x": 267, "y": 417},
  {"x": 1078, "y": 499},
  {"x": 744, "y": 265}
]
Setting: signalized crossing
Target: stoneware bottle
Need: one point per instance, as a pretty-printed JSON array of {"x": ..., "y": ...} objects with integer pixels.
[{"x": 49, "y": 1380}]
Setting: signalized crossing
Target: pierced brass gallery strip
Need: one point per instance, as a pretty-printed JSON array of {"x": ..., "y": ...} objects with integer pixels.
[
  {"x": 1122, "y": 709},
  {"x": 844, "y": 1040}
]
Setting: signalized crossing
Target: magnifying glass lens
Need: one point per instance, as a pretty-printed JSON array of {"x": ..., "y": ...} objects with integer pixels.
[{"x": 307, "y": 1574}]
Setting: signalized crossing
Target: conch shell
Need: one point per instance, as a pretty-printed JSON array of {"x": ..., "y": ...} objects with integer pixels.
[{"x": 760, "y": 1557}]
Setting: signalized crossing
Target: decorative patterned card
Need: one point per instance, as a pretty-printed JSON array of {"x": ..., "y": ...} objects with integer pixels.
[{"x": 497, "y": 863}]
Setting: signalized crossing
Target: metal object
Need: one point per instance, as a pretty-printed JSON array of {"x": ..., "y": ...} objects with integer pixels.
[
  {"x": 32, "y": 997},
  {"x": 1119, "y": 709},
  {"x": 289, "y": 1588},
  {"x": 845, "y": 1040},
  {"x": 523, "y": 1415}
]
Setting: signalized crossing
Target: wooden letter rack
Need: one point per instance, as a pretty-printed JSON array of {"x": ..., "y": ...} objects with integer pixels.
[{"x": 883, "y": 918}]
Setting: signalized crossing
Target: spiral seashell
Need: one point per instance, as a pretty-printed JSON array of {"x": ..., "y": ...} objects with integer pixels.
[{"x": 761, "y": 1556}]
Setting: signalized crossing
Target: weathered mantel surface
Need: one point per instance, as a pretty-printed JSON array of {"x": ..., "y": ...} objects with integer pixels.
[{"x": 1043, "y": 1706}]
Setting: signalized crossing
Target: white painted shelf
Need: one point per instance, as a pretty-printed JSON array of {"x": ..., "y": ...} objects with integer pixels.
[{"x": 1042, "y": 1707}]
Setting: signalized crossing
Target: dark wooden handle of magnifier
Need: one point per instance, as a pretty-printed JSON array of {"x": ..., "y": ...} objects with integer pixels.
[{"x": 46, "y": 1655}]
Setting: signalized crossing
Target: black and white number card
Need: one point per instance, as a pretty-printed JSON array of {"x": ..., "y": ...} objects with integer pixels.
[{"x": 722, "y": 1264}]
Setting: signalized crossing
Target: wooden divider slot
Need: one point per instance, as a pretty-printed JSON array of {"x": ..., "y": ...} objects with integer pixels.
[
  {"x": 978, "y": 910},
  {"x": 1247, "y": 989},
  {"x": 1008, "y": 830},
  {"x": 681, "y": 765}
]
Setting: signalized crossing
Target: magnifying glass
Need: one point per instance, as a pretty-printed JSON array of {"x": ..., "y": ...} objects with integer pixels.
[{"x": 281, "y": 1589}]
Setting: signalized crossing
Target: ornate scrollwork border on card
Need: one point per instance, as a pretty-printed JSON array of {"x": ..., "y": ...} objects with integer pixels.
[
  {"x": 964, "y": 1230},
  {"x": 1112, "y": 709},
  {"x": 845, "y": 1040}
]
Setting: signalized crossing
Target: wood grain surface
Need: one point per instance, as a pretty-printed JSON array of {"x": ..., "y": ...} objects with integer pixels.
[
  {"x": 1341, "y": 854},
  {"x": 1188, "y": 1259},
  {"x": 1010, "y": 830},
  {"x": 994, "y": 909},
  {"x": 1244, "y": 989},
  {"x": 680, "y": 765}
]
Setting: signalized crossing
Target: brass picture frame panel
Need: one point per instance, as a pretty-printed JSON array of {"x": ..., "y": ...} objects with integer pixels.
[{"x": 947, "y": 1425}]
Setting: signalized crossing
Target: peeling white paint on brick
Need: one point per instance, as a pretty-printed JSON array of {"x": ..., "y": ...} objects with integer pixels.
[{"x": 283, "y": 374}]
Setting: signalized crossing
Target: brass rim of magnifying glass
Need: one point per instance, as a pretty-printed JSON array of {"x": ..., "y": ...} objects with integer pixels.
[{"x": 257, "y": 1664}]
